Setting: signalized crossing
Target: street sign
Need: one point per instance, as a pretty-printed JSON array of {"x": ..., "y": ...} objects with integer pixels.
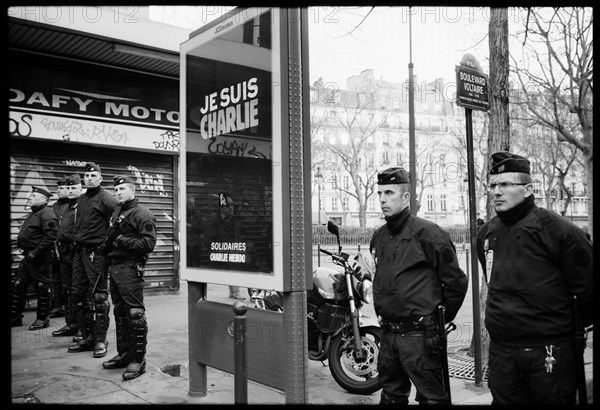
[{"x": 471, "y": 88}]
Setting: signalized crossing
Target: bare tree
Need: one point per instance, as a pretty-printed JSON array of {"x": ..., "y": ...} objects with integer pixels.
[
  {"x": 358, "y": 125},
  {"x": 558, "y": 67}
]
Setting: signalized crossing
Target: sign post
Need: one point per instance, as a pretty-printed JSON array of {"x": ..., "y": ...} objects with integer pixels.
[{"x": 472, "y": 94}]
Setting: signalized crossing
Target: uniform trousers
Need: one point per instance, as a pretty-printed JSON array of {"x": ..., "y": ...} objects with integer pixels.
[
  {"x": 405, "y": 358},
  {"x": 517, "y": 375}
]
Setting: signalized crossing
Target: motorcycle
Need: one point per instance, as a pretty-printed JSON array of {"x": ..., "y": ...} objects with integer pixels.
[{"x": 334, "y": 326}]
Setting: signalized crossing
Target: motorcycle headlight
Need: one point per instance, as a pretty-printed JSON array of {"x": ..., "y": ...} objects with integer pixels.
[{"x": 367, "y": 291}]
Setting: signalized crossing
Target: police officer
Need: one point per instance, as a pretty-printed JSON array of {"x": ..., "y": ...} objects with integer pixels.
[
  {"x": 60, "y": 206},
  {"x": 533, "y": 260},
  {"x": 416, "y": 271},
  {"x": 66, "y": 252},
  {"x": 130, "y": 238},
  {"x": 36, "y": 238},
  {"x": 90, "y": 282}
]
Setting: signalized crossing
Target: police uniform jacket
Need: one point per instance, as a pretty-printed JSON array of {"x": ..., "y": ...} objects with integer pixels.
[
  {"x": 38, "y": 231},
  {"x": 60, "y": 207},
  {"x": 416, "y": 270},
  {"x": 137, "y": 231},
  {"x": 94, "y": 209},
  {"x": 64, "y": 234},
  {"x": 532, "y": 265}
]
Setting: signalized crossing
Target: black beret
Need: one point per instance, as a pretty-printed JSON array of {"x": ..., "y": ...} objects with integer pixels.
[
  {"x": 92, "y": 166},
  {"x": 123, "y": 179},
  {"x": 503, "y": 161},
  {"x": 394, "y": 175},
  {"x": 41, "y": 191},
  {"x": 61, "y": 181},
  {"x": 73, "y": 179}
]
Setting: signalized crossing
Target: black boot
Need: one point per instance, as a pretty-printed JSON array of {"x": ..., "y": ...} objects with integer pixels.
[
  {"x": 86, "y": 325},
  {"x": 102, "y": 323},
  {"x": 70, "y": 328},
  {"x": 66, "y": 330},
  {"x": 138, "y": 341},
  {"x": 43, "y": 307},
  {"x": 123, "y": 358}
]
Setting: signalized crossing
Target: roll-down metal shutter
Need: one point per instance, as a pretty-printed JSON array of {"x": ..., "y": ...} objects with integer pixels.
[{"x": 42, "y": 163}]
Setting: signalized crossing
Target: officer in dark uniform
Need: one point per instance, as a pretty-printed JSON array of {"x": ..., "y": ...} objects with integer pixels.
[
  {"x": 130, "y": 239},
  {"x": 36, "y": 238},
  {"x": 66, "y": 252},
  {"x": 60, "y": 206},
  {"x": 533, "y": 260},
  {"x": 416, "y": 271},
  {"x": 94, "y": 209}
]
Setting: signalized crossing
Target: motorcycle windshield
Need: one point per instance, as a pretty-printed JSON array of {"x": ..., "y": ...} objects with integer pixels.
[{"x": 324, "y": 279}]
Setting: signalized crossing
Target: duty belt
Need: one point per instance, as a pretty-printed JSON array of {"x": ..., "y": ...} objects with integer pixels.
[
  {"x": 124, "y": 260},
  {"x": 424, "y": 323}
]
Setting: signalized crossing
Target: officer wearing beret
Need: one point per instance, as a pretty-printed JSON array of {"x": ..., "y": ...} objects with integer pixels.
[
  {"x": 416, "y": 271},
  {"x": 36, "y": 238},
  {"x": 130, "y": 239},
  {"x": 66, "y": 251},
  {"x": 90, "y": 282},
  {"x": 533, "y": 259},
  {"x": 60, "y": 206}
]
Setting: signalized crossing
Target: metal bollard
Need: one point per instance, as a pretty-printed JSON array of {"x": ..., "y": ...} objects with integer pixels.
[{"x": 240, "y": 381}]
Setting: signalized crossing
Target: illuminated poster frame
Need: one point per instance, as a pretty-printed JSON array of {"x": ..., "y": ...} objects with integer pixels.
[{"x": 206, "y": 43}]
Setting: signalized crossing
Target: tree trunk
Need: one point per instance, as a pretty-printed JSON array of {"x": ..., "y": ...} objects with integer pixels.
[{"x": 499, "y": 129}]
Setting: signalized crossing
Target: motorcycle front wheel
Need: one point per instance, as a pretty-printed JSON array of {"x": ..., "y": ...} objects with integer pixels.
[{"x": 358, "y": 376}]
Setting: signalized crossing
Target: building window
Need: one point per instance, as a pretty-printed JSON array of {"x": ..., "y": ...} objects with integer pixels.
[
  {"x": 314, "y": 95},
  {"x": 346, "y": 181},
  {"x": 430, "y": 203},
  {"x": 345, "y": 204},
  {"x": 443, "y": 203},
  {"x": 385, "y": 158},
  {"x": 334, "y": 181},
  {"x": 372, "y": 204},
  {"x": 334, "y": 204}
]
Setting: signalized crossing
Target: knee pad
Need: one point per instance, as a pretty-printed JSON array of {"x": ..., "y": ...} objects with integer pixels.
[
  {"x": 18, "y": 286},
  {"x": 121, "y": 311},
  {"x": 41, "y": 288},
  {"x": 100, "y": 298},
  {"x": 137, "y": 313}
]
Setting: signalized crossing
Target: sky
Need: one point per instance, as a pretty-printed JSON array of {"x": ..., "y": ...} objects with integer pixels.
[{"x": 343, "y": 43}]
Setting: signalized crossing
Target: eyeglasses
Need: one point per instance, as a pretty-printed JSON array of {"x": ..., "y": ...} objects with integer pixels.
[{"x": 503, "y": 185}]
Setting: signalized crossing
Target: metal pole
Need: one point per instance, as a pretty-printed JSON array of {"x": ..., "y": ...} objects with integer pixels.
[
  {"x": 240, "y": 362},
  {"x": 474, "y": 269},
  {"x": 198, "y": 377},
  {"x": 411, "y": 124},
  {"x": 319, "y": 254}
]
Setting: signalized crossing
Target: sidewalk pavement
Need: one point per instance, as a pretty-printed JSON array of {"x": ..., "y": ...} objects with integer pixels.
[{"x": 42, "y": 371}]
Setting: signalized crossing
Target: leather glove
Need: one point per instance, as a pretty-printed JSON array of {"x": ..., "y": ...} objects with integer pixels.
[
  {"x": 115, "y": 241},
  {"x": 434, "y": 343},
  {"x": 32, "y": 256}
]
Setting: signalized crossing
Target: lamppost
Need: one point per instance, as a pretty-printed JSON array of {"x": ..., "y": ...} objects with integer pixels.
[{"x": 319, "y": 179}]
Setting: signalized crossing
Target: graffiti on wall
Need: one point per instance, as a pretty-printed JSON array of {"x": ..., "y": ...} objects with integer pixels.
[
  {"x": 147, "y": 181},
  {"x": 30, "y": 125}
]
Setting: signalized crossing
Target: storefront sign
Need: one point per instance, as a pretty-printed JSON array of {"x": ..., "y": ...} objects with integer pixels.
[{"x": 52, "y": 98}]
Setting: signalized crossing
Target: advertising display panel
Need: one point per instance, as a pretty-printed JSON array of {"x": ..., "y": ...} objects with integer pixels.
[{"x": 231, "y": 132}]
